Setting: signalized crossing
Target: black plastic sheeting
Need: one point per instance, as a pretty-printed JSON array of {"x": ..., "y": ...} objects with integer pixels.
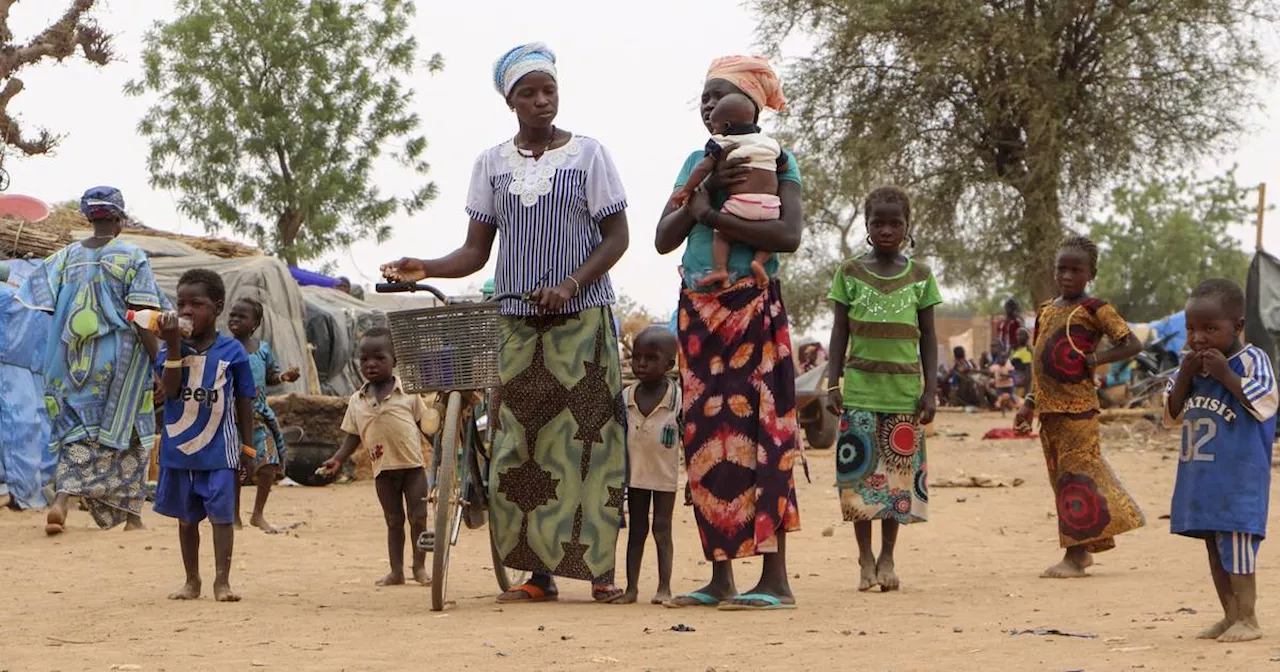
[{"x": 1262, "y": 304}]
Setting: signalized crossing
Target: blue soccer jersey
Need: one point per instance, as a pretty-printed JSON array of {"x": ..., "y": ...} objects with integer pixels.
[
  {"x": 1224, "y": 468},
  {"x": 200, "y": 431}
]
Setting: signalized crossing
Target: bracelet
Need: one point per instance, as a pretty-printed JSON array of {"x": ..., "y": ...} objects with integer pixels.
[
  {"x": 173, "y": 363},
  {"x": 833, "y": 388},
  {"x": 577, "y": 288}
]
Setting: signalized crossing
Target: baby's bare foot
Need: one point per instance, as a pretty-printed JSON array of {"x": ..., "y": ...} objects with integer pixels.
[
  {"x": 885, "y": 576},
  {"x": 867, "y": 580},
  {"x": 222, "y": 592},
  {"x": 189, "y": 591},
  {"x": 1215, "y": 631},
  {"x": 1241, "y": 631},
  {"x": 420, "y": 575},
  {"x": 392, "y": 579},
  {"x": 663, "y": 596}
]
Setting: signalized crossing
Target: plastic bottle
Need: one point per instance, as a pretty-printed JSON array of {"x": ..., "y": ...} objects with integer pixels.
[{"x": 150, "y": 320}]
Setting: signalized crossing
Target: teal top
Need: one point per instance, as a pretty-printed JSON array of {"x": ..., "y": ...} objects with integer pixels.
[{"x": 697, "y": 248}]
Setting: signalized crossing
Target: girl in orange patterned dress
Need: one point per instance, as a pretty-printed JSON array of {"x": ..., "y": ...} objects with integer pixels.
[{"x": 1093, "y": 507}]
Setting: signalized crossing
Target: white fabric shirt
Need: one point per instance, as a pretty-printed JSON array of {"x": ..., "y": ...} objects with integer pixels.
[{"x": 760, "y": 150}]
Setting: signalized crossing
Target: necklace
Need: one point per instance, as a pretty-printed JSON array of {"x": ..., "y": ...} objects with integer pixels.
[{"x": 534, "y": 153}]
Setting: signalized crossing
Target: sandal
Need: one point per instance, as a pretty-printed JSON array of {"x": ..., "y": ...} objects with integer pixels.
[
  {"x": 743, "y": 603},
  {"x": 606, "y": 594},
  {"x": 696, "y": 598},
  {"x": 528, "y": 592}
]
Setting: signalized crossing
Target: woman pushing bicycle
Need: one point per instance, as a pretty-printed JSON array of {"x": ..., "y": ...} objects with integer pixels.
[{"x": 556, "y": 198}]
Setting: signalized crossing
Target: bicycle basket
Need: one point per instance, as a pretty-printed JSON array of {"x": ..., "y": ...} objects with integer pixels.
[{"x": 451, "y": 347}]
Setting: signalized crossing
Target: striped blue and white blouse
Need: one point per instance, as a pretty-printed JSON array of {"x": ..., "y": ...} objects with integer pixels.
[{"x": 548, "y": 213}]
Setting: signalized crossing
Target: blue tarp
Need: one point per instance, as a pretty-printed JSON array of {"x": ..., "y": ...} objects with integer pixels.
[
  {"x": 1175, "y": 327},
  {"x": 305, "y": 278},
  {"x": 26, "y": 463}
]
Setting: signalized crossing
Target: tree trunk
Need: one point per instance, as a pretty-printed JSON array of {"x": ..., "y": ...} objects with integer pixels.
[
  {"x": 288, "y": 224},
  {"x": 1042, "y": 229}
]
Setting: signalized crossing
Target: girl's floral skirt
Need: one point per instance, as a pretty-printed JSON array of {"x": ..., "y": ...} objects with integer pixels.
[{"x": 881, "y": 467}]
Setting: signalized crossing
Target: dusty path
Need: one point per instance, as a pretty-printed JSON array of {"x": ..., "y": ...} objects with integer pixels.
[{"x": 89, "y": 600}]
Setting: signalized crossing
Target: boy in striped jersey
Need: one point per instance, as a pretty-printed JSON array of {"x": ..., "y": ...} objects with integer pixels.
[
  {"x": 1225, "y": 398},
  {"x": 208, "y": 422}
]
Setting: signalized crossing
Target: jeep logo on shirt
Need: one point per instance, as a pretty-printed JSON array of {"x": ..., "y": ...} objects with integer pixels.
[{"x": 200, "y": 395}]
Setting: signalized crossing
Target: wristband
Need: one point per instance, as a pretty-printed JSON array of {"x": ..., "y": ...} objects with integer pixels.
[
  {"x": 833, "y": 388},
  {"x": 173, "y": 363},
  {"x": 249, "y": 451},
  {"x": 577, "y": 288}
]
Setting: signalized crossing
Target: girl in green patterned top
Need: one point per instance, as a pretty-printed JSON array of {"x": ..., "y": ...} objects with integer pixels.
[{"x": 883, "y": 305}]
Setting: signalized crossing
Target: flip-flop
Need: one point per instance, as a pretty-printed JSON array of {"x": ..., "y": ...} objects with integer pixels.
[
  {"x": 606, "y": 594},
  {"x": 739, "y": 603},
  {"x": 532, "y": 593},
  {"x": 700, "y": 599}
]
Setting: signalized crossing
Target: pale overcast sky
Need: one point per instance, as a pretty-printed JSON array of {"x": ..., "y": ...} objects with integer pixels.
[{"x": 630, "y": 76}]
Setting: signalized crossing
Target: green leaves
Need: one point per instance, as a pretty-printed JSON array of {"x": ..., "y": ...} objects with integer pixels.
[
  {"x": 1164, "y": 236},
  {"x": 273, "y": 113},
  {"x": 1000, "y": 116}
]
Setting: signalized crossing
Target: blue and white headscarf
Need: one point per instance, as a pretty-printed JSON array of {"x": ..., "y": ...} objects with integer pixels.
[{"x": 520, "y": 61}]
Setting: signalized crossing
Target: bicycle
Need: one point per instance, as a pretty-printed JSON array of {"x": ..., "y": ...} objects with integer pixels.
[{"x": 453, "y": 349}]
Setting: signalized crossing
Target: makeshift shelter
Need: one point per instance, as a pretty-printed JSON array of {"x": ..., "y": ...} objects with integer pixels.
[
  {"x": 334, "y": 322},
  {"x": 266, "y": 279}
]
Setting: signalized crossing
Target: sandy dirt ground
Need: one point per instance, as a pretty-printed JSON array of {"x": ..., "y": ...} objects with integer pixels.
[{"x": 91, "y": 600}]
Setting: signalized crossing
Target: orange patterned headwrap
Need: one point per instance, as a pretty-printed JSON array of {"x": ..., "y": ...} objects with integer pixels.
[{"x": 753, "y": 75}]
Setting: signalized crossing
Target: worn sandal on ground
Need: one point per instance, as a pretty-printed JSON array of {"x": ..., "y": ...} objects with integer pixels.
[
  {"x": 742, "y": 603},
  {"x": 606, "y": 594},
  {"x": 528, "y": 592},
  {"x": 696, "y": 598}
]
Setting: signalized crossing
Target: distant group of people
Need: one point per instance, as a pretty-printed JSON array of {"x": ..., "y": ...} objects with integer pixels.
[{"x": 572, "y": 445}]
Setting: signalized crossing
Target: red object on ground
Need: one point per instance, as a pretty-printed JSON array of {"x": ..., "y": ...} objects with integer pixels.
[{"x": 1006, "y": 433}]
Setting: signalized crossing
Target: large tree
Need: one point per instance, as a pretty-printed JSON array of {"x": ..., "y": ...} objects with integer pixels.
[
  {"x": 1164, "y": 236},
  {"x": 74, "y": 30},
  {"x": 1001, "y": 115},
  {"x": 274, "y": 114}
]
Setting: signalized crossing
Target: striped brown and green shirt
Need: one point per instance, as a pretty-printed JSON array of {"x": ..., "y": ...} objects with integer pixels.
[{"x": 882, "y": 367}]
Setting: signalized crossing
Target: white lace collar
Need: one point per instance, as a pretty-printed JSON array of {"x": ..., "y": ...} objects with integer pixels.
[{"x": 531, "y": 178}]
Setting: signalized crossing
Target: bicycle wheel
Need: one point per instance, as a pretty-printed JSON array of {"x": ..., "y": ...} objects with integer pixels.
[
  {"x": 506, "y": 576},
  {"x": 448, "y": 501}
]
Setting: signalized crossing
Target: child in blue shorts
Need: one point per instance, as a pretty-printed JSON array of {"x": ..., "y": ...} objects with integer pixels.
[
  {"x": 1225, "y": 397},
  {"x": 208, "y": 422}
]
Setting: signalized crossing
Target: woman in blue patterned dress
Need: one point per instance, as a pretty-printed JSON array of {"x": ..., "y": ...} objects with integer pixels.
[
  {"x": 558, "y": 456},
  {"x": 98, "y": 374}
]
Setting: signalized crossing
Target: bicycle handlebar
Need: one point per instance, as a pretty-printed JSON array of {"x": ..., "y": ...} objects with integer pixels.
[{"x": 399, "y": 287}]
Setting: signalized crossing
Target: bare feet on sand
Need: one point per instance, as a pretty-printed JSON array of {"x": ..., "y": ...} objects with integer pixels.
[
  {"x": 392, "y": 579},
  {"x": 134, "y": 523},
  {"x": 420, "y": 575},
  {"x": 222, "y": 592},
  {"x": 868, "y": 579},
  {"x": 885, "y": 576},
  {"x": 663, "y": 596},
  {"x": 1215, "y": 631},
  {"x": 189, "y": 591},
  {"x": 239, "y": 524},
  {"x": 1241, "y": 631},
  {"x": 628, "y": 597},
  {"x": 262, "y": 524},
  {"x": 55, "y": 522},
  {"x": 1072, "y": 566}
]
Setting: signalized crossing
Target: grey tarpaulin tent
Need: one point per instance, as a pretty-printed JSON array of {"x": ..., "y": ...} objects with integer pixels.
[
  {"x": 1262, "y": 304},
  {"x": 266, "y": 279}
]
